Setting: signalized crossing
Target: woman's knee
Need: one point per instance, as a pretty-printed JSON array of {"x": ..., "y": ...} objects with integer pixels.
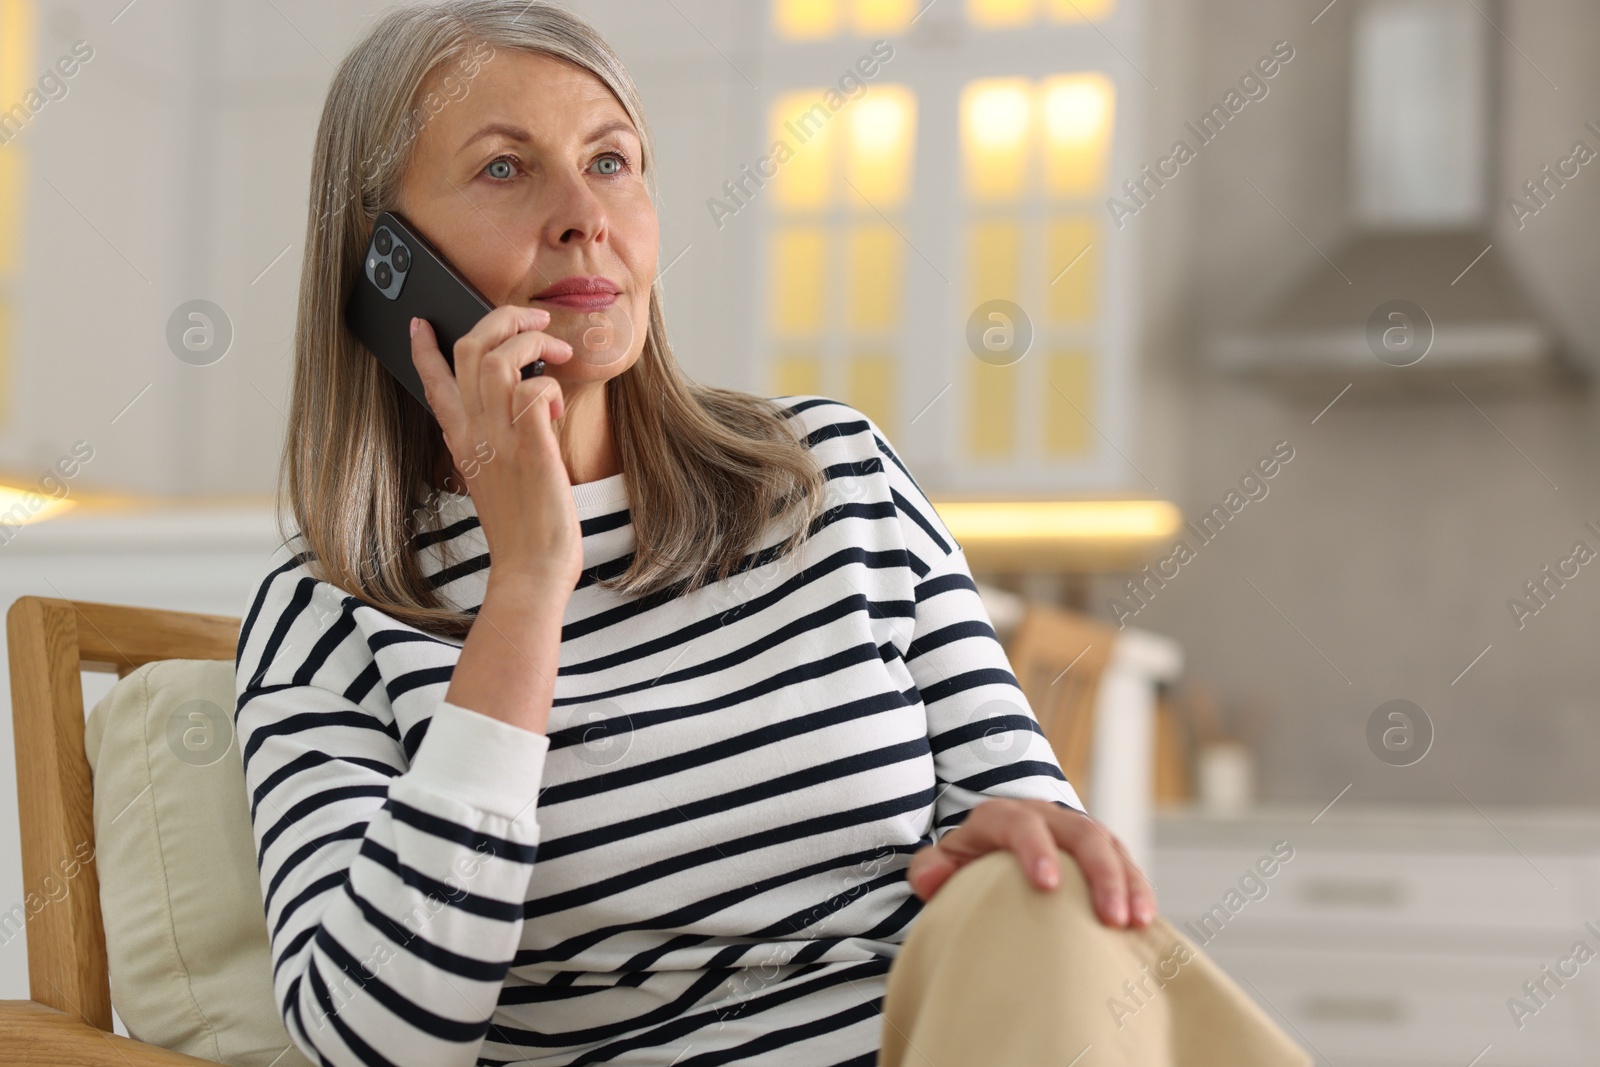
[
  {"x": 992, "y": 900},
  {"x": 996, "y": 882},
  {"x": 1002, "y": 948}
]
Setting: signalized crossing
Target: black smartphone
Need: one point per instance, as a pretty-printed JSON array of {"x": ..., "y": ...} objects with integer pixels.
[{"x": 402, "y": 275}]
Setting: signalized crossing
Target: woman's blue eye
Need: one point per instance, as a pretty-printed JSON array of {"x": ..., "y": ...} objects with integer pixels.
[{"x": 504, "y": 167}]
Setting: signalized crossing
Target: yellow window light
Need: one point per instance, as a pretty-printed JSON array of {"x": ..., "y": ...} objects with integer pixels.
[
  {"x": 1072, "y": 263},
  {"x": 883, "y": 16},
  {"x": 798, "y": 273},
  {"x": 873, "y": 265},
  {"x": 994, "y": 258},
  {"x": 1078, "y": 11},
  {"x": 1000, "y": 14},
  {"x": 16, "y": 508},
  {"x": 16, "y": 48},
  {"x": 881, "y": 128},
  {"x": 991, "y": 411},
  {"x": 1059, "y": 520},
  {"x": 872, "y": 389},
  {"x": 12, "y": 188},
  {"x": 995, "y": 119},
  {"x": 1077, "y": 111},
  {"x": 797, "y": 375},
  {"x": 1009, "y": 14},
  {"x": 803, "y": 122},
  {"x": 806, "y": 20},
  {"x": 1069, "y": 403}
]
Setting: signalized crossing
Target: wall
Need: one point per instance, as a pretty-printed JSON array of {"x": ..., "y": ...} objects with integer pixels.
[
  {"x": 177, "y": 167},
  {"x": 1385, "y": 553}
]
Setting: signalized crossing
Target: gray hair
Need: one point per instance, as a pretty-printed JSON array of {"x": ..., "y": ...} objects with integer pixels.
[{"x": 707, "y": 469}]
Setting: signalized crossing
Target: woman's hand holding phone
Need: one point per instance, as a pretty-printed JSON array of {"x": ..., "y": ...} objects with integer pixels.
[{"x": 497, "y": 426}]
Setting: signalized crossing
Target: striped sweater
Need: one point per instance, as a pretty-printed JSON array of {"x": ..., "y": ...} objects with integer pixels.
[{"x": 703, "y": 859}]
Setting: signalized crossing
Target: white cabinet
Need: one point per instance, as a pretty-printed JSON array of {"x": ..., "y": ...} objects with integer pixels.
[{"x": 1401, "y": 936}]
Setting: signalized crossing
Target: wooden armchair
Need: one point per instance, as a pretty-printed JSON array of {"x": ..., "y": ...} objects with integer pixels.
[
  {"x": 68, "y": 1019},
  {"x": 1059, "y": 657}
]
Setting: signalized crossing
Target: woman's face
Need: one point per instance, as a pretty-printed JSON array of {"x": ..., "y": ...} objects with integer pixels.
[{"x": 531, "y": 181}]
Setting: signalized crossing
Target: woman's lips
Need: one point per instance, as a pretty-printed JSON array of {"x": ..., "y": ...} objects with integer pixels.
[{"x": 582, "y": 301}]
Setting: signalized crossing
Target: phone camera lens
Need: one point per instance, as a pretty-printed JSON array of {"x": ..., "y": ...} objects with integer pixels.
[
  {"x": 383, "y": 241},
  {"x": 383, "y": 275},
  {"x": 401, "y": 258}
]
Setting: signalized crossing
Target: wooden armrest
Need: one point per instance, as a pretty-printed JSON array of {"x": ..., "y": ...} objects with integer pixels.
[{"x": 41, "y": 1036}]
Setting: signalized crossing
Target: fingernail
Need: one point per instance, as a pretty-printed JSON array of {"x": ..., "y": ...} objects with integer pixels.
[
  {"x": 1119, "y": 912},
  {"x": 1047, "y": 875},
  {"x": 414, "y": 321}
]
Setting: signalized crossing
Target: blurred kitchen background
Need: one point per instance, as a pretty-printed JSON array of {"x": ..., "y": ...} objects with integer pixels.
[{"x": 1369, "y": 270}]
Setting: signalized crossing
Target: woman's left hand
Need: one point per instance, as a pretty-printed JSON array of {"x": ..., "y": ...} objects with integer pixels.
[{"x": 1034, "y": 829}]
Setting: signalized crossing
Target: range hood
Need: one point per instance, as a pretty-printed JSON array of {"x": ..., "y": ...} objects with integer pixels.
[{"x": 1417, "y": 298}]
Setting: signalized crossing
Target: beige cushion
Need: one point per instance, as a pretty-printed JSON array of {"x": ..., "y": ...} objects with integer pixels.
[{"x": 180, "y": 893}]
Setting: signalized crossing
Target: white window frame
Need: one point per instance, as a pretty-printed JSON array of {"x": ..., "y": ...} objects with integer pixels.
[{"x": 936, "y": 62}]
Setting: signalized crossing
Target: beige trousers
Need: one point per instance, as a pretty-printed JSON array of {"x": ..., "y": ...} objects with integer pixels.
[{"x": 998, "y": 973}]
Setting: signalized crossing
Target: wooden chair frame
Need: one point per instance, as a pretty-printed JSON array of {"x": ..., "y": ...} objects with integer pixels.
[
  {"x": 68, "y": 1019},
  {"x": 1058, "y": 657}
]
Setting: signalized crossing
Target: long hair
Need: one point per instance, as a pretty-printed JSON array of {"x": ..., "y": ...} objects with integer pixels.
[{"x": 706, "y": 469}]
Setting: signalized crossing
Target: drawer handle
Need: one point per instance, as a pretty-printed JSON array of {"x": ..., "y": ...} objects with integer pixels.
[
  {"x": 1332, "y": 1009},
  {"x": 1353, "y": 892}
]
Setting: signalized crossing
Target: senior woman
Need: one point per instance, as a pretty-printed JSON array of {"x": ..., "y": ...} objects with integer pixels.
[{"x": 673, "y": 778}]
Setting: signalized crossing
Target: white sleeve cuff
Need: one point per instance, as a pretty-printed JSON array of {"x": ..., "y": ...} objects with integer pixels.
[{"x": 482, "y": 761}]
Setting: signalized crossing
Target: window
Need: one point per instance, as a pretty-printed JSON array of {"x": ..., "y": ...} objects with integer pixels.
[
  {"x": 837, "y": 263},
  {"x": 1033, "y": 156},
  {"x": 925, "y": 220}
]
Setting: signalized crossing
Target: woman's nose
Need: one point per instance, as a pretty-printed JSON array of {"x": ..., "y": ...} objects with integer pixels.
[{"x": 576, "y": 214}]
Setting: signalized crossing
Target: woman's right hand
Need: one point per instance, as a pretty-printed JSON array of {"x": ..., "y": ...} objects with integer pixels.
[{"x": 497, "y": 426}]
